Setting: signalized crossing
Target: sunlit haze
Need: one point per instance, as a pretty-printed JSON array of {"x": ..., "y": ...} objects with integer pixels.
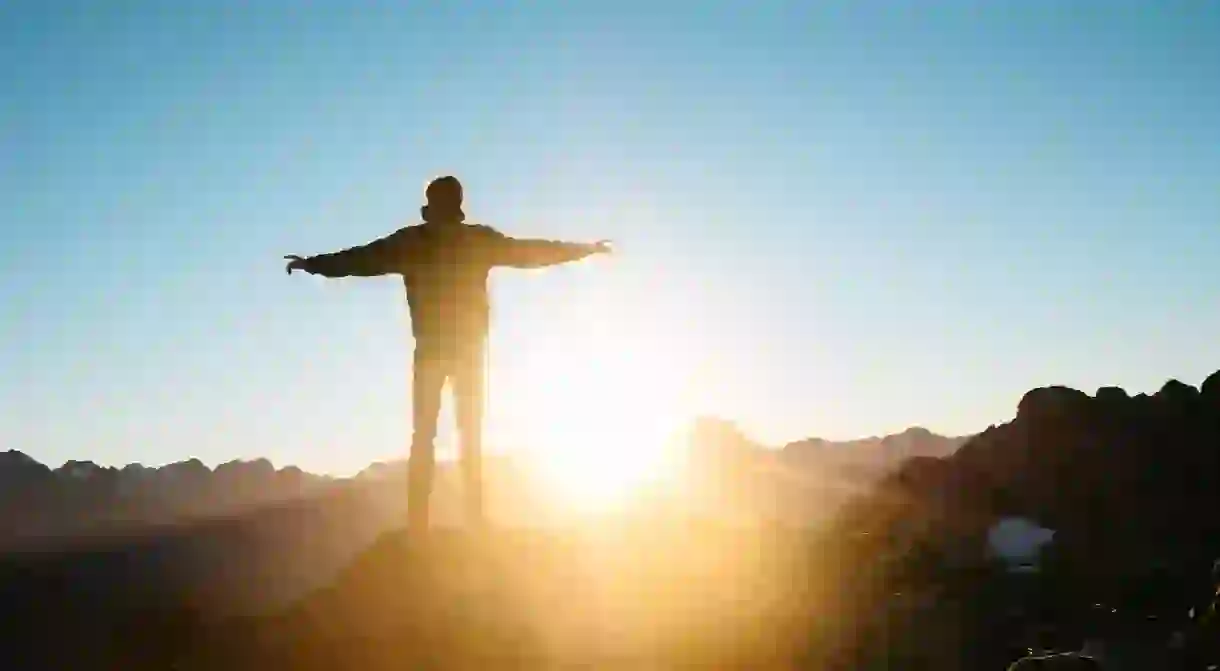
[
  {"x": 831, "y": 219},
  {"x": 613, "y": 391}
]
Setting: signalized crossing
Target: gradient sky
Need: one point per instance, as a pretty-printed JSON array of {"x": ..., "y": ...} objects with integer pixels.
[{"x": 840, "y": 219}]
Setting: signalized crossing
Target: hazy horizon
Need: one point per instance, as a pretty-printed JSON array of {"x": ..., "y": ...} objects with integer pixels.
[
  {"x": 839, "y": 220},
  {"x": 448, "y": 458}
]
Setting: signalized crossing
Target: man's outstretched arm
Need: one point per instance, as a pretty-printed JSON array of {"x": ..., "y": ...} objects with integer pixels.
[
  {"x": 379, "y": 257},
  {"x": 535, "y": 253}
]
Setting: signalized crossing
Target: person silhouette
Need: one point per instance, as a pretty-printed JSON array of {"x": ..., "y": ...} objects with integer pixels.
[{"x": 444, "y": 263}]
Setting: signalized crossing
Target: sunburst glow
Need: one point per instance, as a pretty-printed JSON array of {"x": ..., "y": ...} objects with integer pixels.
[
  {"x": 604, "y": 409},
  {"x": 608, "y": 438}
]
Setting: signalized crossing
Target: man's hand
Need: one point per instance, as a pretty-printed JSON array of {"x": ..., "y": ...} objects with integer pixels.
[{"x": 294, "y": 263}]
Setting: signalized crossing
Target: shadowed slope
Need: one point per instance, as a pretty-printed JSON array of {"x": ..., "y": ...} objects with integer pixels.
[{"x": 623, "y": 596}]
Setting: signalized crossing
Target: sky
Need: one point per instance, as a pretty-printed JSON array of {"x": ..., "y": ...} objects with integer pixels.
[{"x": 833, "y": 219}]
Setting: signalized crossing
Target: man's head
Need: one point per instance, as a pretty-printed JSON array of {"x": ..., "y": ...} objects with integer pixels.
[{"x": 444, "y": 200}]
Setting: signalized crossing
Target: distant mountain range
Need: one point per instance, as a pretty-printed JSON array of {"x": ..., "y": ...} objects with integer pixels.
[
  {"x": 80, "y": 499},
  {"x": 799, "y": 483},
  {"x": 39, "y": 504}
]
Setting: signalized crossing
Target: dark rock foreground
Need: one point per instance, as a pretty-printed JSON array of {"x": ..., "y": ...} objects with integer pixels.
[{"x": 623, "y": 598}]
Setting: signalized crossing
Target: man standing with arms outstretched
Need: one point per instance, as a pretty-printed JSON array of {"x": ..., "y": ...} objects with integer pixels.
[{"x": 444, "y": 264}]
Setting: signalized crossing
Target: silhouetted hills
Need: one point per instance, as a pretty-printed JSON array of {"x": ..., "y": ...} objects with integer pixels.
[
  {"x": 865, "y": 460},
  {"x": 800, "y": 483},
  {"x": 1130, "y": 484},
  {"x": 41, "y": 506},
  {"x": 718, "y": 444},
  {"x": 267, "y": 535}
]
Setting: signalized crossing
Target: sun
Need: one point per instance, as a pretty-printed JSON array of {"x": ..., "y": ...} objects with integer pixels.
[
  {"x": 604, "y": 472},
  {"x": 608, "y": 439},
  {"x": 604, "y": 412}
]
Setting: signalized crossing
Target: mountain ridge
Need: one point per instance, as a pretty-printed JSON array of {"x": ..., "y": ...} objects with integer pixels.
[{"x": 37, "y": 501}]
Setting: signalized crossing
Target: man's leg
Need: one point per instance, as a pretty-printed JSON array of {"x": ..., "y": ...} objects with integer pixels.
[
  {"x": 428, "y": 381},
  {"x": 468, "y": 393}
]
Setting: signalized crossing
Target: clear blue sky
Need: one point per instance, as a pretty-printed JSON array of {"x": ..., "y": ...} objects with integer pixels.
[{"x": 856, "y": 216}]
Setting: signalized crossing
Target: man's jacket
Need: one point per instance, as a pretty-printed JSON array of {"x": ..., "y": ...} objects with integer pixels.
[{"x": 444, "y": 267}]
